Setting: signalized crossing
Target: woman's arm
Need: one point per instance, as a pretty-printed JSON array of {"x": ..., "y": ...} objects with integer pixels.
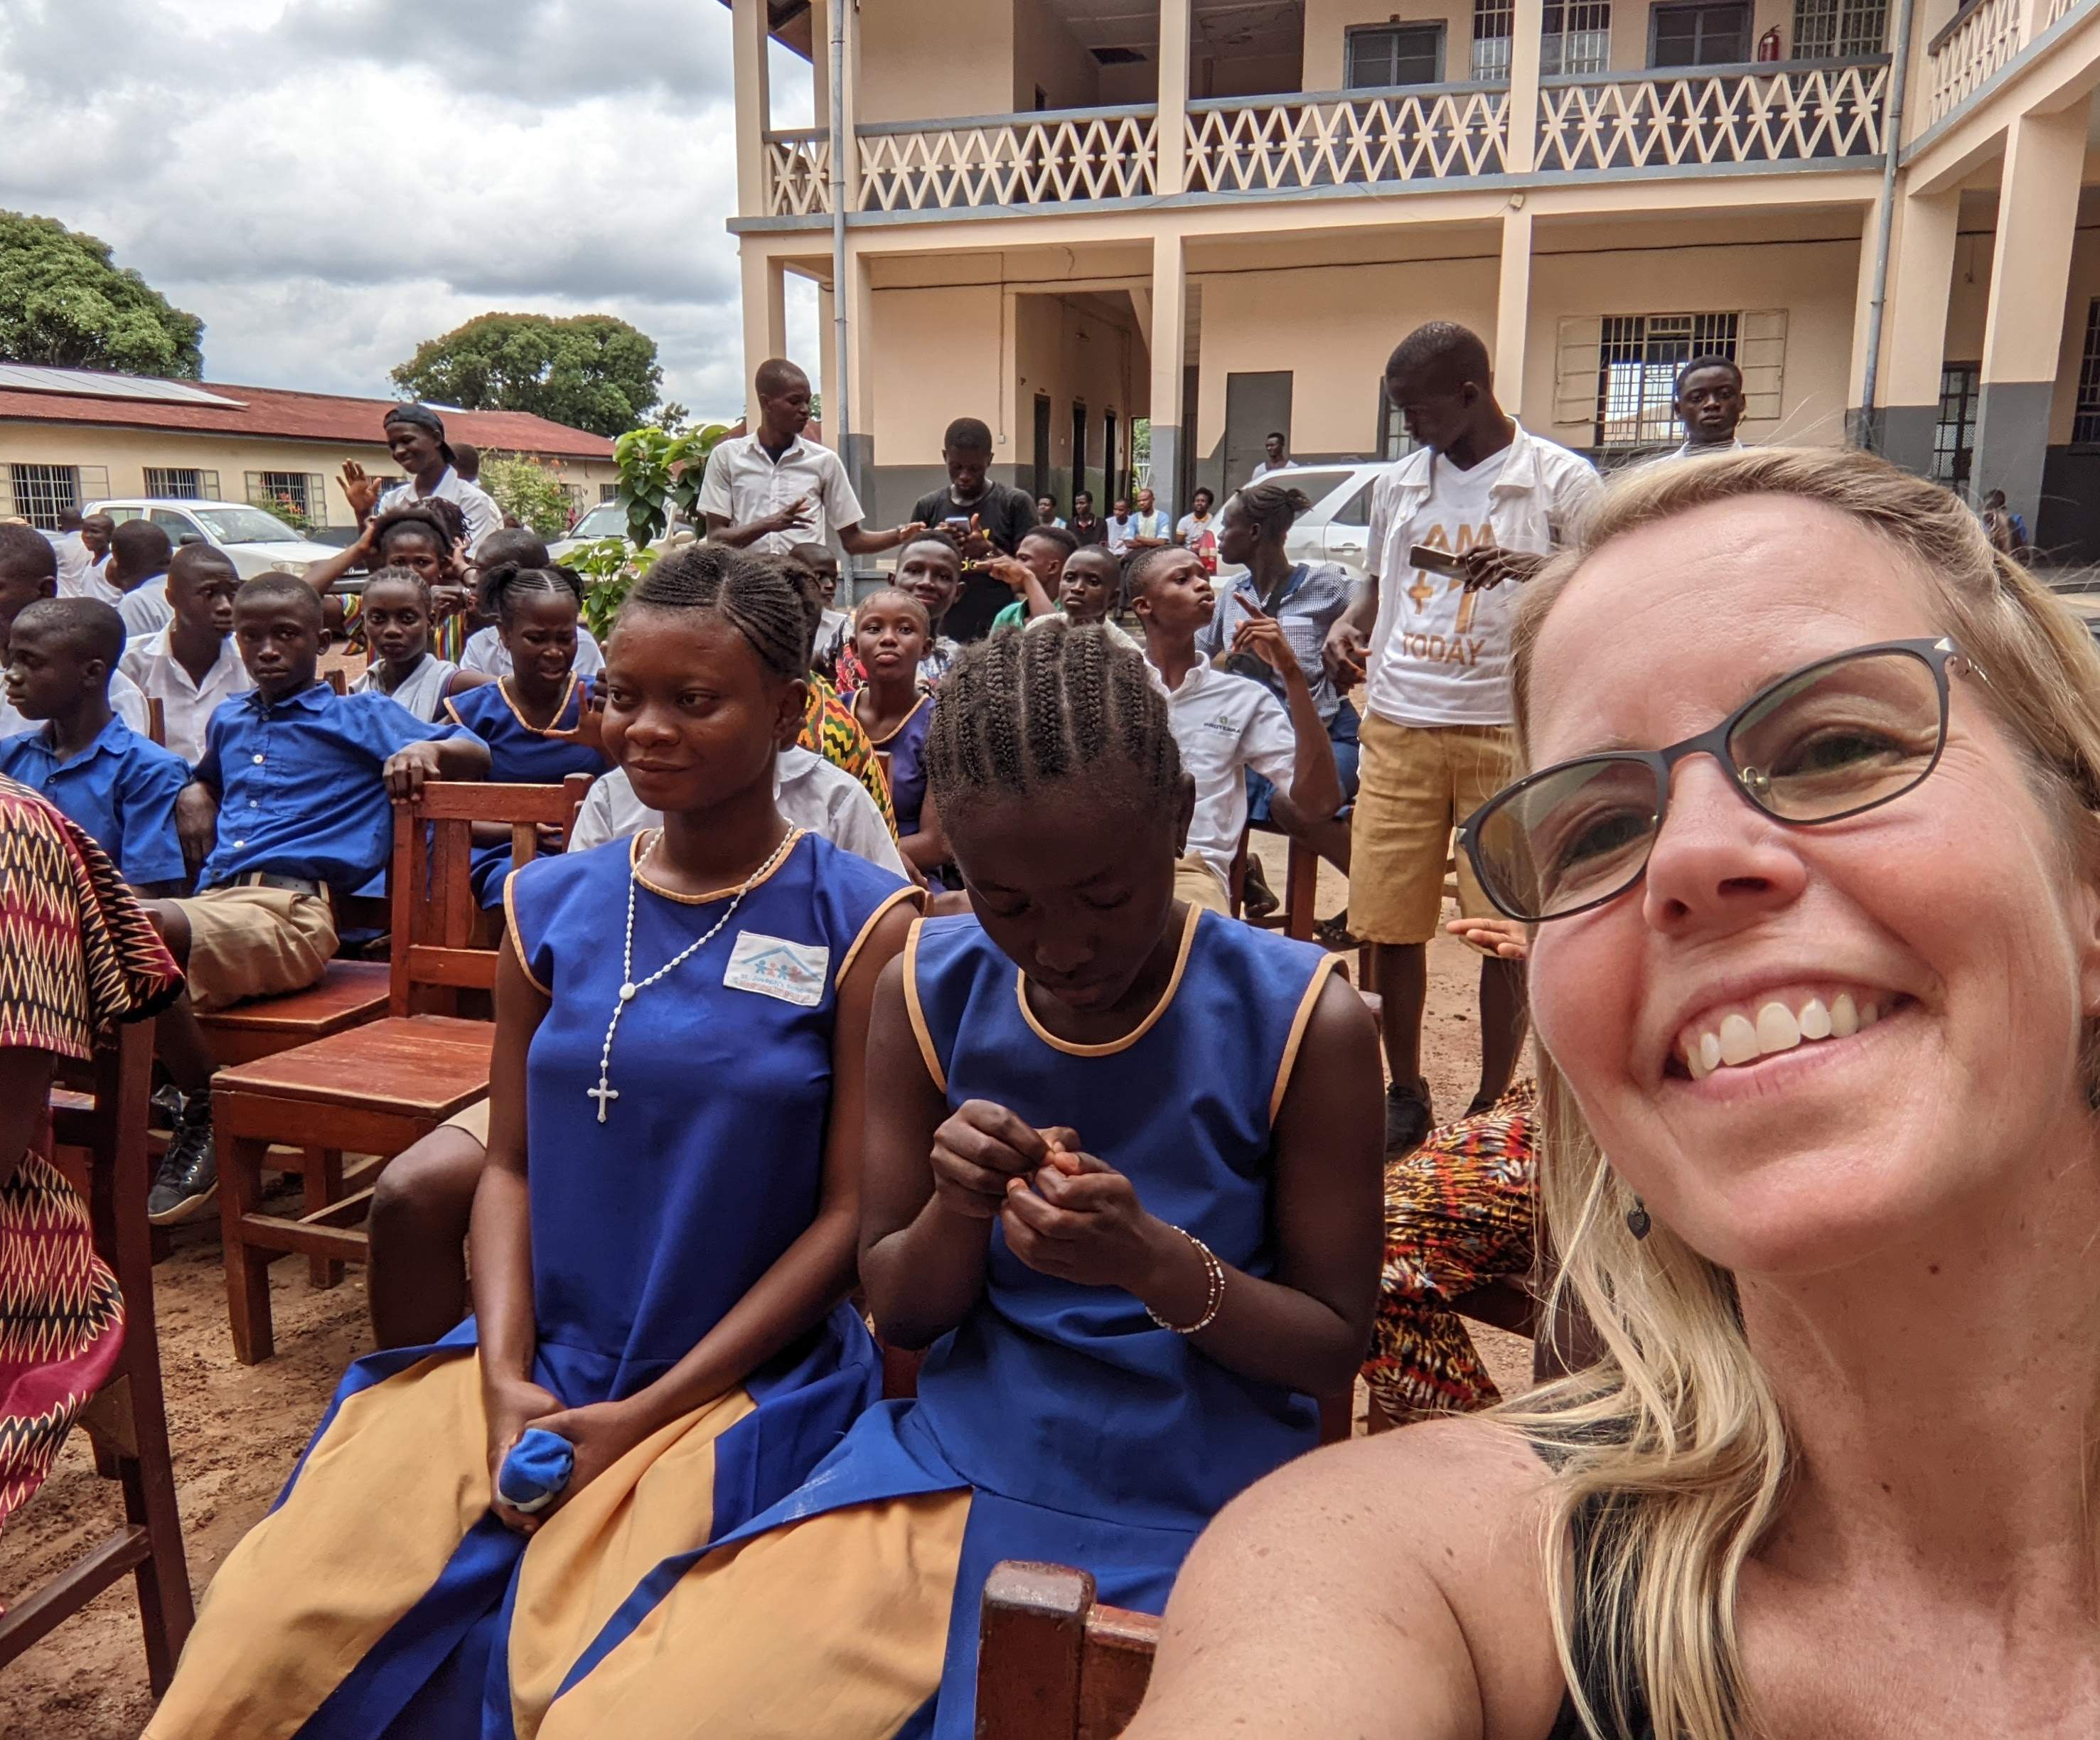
[{"x": 323, "y": 575}]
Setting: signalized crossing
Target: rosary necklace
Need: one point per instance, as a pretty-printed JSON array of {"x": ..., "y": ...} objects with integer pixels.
[{"x": 605, "y": 1092}]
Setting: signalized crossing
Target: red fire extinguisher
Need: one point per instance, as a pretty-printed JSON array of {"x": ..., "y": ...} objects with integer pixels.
[{"x": 1768, "y": 44}]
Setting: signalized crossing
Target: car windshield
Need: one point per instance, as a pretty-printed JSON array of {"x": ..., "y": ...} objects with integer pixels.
[
  {"x": 244, "y": 526},
  {"x": 603, "y": 521}
]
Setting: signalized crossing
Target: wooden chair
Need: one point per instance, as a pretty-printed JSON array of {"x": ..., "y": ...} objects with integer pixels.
[
  {"x": 1053, "y": 1663},
  {"x": 99, "y": 1136},
  {"x": 1294, "y": 917},
  {"x": 374, "y": 1089},
  {"x": 156, "y": 719}
]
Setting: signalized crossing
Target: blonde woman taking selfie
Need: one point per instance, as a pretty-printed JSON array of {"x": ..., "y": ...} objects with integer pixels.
[{"x": 1811, "y": 855}]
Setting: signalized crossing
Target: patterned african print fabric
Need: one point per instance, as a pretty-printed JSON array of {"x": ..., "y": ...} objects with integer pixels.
[
  {"x": 830, "y": 729},
  {"x": 77, "y": 955},
  {"x": 1460, "y": 1211}
]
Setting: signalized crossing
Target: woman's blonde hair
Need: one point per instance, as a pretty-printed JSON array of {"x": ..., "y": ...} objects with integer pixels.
[{"x": 1671, "y": 1454}]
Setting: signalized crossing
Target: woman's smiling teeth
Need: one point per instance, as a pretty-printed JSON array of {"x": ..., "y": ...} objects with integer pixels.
[{"x": 1746, "y": 1034}]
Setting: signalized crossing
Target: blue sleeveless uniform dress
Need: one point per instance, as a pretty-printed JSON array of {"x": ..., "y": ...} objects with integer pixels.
[
  {"x": 519, "y": 755},
  {"x": 1061, "y": 1423},
  {"x": 380, "y": 1597}
]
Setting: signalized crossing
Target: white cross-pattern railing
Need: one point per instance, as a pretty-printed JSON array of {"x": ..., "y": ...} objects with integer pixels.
[
  {"x": 2056, "y": 10},
  {"x": 1982, "y": 39},
  {"x": 798, "y": 173},
  {"x": 1421, "y": 133},
  {"x": 1052, "y": 158},
  {"x": 1782, "y": 112}
]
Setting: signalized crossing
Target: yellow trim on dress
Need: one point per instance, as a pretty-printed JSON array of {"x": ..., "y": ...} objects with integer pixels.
[
  {"x": 852, "y": 952},
  {"x": 648, "y": 837},
  {"x": 1152, "y": 1018},
  {"x": 877, "y": 742},
  {"x": 913, "y": 1008},
  {"x": 1299, "y": 1022},
  {"x": 517, "y": 941},
  {"x": 554, "y": 729}
]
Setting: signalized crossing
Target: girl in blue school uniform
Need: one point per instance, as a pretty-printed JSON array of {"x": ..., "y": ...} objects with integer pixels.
[
  {"x": 537, "y": 720},
  {"x": 662, "y": 1239},
  {"x": 1123, "y": 1176}
]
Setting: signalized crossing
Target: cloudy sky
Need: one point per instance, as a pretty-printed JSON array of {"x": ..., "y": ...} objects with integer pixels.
[{"x": 328, "y": 183}]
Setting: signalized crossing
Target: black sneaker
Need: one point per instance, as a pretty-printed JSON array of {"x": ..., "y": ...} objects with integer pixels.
[
  {"x": 188, "y": 1186},
  {"x": 167, "y": 1107},
  {"x": 1408, "y": 1117},
  {"x": 1257, "y": 899}
]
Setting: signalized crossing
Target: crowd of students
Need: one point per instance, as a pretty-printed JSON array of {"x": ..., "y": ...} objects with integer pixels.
[{"x": 889, "y": 977}]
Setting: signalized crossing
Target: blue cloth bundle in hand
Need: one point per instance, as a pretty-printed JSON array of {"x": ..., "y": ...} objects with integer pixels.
[{"x": 535, "y": 1471}]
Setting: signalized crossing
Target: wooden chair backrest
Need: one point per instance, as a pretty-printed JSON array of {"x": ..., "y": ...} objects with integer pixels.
[
  {"x": 1052, "y": 1663},
  {"x": 337, "y": 681},
  {"x": 156, "y": 719},
  {"x": 433, "y": 898}
]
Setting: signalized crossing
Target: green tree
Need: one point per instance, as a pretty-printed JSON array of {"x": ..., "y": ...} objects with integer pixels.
[
  {"x": 526, "y": 488},
  {"x": 590, "y": 371},
  {"x": 65, "y": 303}
]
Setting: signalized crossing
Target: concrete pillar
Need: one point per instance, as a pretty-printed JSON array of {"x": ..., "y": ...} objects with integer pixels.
[
  {"x": 1913, "y": 331},
  {"x": 754, "y": 101},
  {"x": 765, "y": 318},
  {"x": 1513, "y": 309},
  {"x": 1520, "y": 155},
  {"x": 2030, "y": 281},
  {"x": 857, "y": 449},
  {"x": 827, "y": 352},
  {"x": 1173, "y": 149},
  {"x": 1169, "y": 330}
]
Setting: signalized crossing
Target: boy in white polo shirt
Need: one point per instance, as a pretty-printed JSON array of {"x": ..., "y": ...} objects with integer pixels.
[
  {"x": 191, "y": 666},
  {"x": 1225, "y": 725}
]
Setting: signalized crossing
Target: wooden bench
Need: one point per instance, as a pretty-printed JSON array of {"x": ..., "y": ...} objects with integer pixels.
[
  {"x": 376, "y": 1088},
  {"x": 99, "y": 1130},
  {"x": 1053, "y": 1663}
]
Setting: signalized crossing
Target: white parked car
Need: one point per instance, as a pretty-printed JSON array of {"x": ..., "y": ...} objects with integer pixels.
[
  {"x": 606, "y": 520},
  {"x": 1337, "y": 529},
  {"x": 255, "y": 541}
]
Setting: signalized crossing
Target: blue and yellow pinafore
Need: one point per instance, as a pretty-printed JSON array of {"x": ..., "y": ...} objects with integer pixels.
[
  {"x": 380, "y": 1597},
  {"x": 521, "y": 755}
]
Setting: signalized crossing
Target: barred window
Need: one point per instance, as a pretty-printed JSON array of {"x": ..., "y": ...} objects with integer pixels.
[
  {"x": 182, "y": 483},
  {"x": 608, "y": 491},
  {"x": 2085, "y": 422},
  {"x": 1954, "y": 436},
  {"x": 303, "y": 494},
  {"x": 1575, "y": 38},
  {"x": 43, "y": 492},
  {"x": 1839, "y": 29},
  {"x": 1637, "y": 366},
  {"x": 1494, "y": 23},
  {"x": 1383, "y": 54}
]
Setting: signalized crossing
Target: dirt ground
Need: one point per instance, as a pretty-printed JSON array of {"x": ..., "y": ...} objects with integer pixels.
[{"x": 237, "y": 1431}]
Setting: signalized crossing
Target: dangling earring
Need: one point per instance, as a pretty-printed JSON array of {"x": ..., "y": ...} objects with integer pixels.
[{"x": 1637, "y": 1221}]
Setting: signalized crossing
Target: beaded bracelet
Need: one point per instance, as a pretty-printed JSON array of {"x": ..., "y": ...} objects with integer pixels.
[{"x": 1215, "y": 1271}]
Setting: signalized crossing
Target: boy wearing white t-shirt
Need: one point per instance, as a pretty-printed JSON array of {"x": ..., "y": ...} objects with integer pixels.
[{"x": 1434, "y": 649}]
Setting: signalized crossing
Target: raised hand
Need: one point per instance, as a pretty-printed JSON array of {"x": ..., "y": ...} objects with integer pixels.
[{"x": 362, "y": 492}]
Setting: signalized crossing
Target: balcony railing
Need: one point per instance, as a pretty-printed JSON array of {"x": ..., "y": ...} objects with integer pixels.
[
  {"x": 798, "y": 173},
  {"x": 1982, "y": 39},
  {"x": 1416, "y": 133},
  {"x": 1052, "y": 158},
  {"x": 1777, "y": 112}
]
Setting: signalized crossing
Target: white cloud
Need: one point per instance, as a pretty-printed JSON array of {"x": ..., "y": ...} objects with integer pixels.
[{"x": 328, "y": 182}]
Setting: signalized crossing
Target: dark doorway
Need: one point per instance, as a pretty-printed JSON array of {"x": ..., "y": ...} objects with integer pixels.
[
  {"x": 1079, "y": 449},
  {"x": 1112, "y": 477},
  {"x": 1255, "y": 404},
  {"x": 1042, "y": 445}
]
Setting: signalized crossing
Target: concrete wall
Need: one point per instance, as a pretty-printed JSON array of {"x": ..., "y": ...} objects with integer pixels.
[
  {"x": 126, "y": 453},
  {"x": 1046, "y": 54},
  {"x": 925, "y": 59}
]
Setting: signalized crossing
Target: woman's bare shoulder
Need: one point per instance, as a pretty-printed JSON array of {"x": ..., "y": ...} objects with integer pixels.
[{"x": 1389, "y": 1586}]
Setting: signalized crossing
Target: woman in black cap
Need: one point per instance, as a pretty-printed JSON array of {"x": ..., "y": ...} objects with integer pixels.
[{"x": 416, "y": 438}]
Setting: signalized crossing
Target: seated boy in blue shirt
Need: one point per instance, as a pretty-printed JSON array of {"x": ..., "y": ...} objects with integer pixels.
[
  {"x": 291, "y": 799},
  {"x": 119, "y": 786}
]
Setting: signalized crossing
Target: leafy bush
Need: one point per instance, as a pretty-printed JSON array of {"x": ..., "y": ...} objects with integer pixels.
[
  {"x": 661, "y": 473},
  {"x": 284, "y": 508},
  {"x": 529, "y": 490},
  {"x": 610, "y": 567}
]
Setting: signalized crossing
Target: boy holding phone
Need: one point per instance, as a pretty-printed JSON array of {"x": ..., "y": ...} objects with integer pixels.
[{"x": 985, "y": 517}]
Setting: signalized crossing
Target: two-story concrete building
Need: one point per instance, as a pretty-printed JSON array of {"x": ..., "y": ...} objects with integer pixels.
[{"x": 1061, "y": 215}]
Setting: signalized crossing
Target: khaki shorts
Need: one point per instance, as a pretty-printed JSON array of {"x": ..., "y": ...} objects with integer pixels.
[
  {"x": 473, "y": 1122},
  {"x": 1195, "y": 882},
  {"x": 1419, "y": 784},
  {"x": 256, "y": 942}
]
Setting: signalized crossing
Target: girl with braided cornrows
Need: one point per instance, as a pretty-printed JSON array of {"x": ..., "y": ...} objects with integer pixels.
[
  {"x": 1121, "y": 1178},
  {"x": 395, "y": 609},
  {"x": 538, "y": 721},
  {"x": 663, "y": 1237}
]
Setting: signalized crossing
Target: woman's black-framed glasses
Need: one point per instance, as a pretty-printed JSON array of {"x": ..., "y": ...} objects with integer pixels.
[{"x": 1841, "y": 736}]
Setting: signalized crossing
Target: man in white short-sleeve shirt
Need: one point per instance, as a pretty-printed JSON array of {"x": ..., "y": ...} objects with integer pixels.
[
  {"x": 1493, "y": 500},
  {"x": 773, "y": 489},
  {"x": 1226, "y": 725}
]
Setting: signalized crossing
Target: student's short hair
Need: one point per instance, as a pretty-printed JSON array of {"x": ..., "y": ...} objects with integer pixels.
[
  {"x": 280, "y": 589},
  {"x": 1059, "y": 536},
  {"x": 142, "y": 549},
  {"x": 440, "y": 521},
  {"x": 939, "y": 535},
  {"x": 466, "y": 460},
  {"x": 1273, "y": 507},
  {"x": 1032, "y": 707},
  {"x": 1442, "y": 355},
  {"x": 1278, "y": 434},
  {"x": 755, "y": 596},
  {"x": 1205, "y": 492},
  {"x": 400, "y": 576},
  {"x": 967, "y": 435},
  {"x": 1141, "y": 568},
  {"x": 1079, "y": 495},
  {"x": 26, "y": 551},
  {"x": 507, "y": 585},
  {"x": 812, "y": 554},
  {"x": 1713, "y": 359},
  {"x": 70, "y": 519},
  {"x": 776, "y": 375},
  {"x": 89, "y": 627},
  {"x": 512, "y": 543},
  {"x": 191, "y": 557}
]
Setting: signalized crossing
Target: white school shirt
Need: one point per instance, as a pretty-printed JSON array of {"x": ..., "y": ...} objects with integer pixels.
[
  {"x": 423, "y": 693},
  {"x": 186, "y": 707},
  {"x": 484, "y": 651},
  {"x": 145, "y": 609},
  {"x": 745, "y": 482},
  {"x": 478, "y": 507},
  {"x": 125, "y": 701},
  {"x": 1120, "y": 533},
  {"x": 811, "y": 792},
  {"x": 1224, "y": 725},
  {"x": 93, "y": 581},
  {"x": 73, "y": 561},
  {"x": 1438, "y": 653}
]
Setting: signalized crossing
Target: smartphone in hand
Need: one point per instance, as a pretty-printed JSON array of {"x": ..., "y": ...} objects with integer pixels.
[{"x": 1435, "y": 561}]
